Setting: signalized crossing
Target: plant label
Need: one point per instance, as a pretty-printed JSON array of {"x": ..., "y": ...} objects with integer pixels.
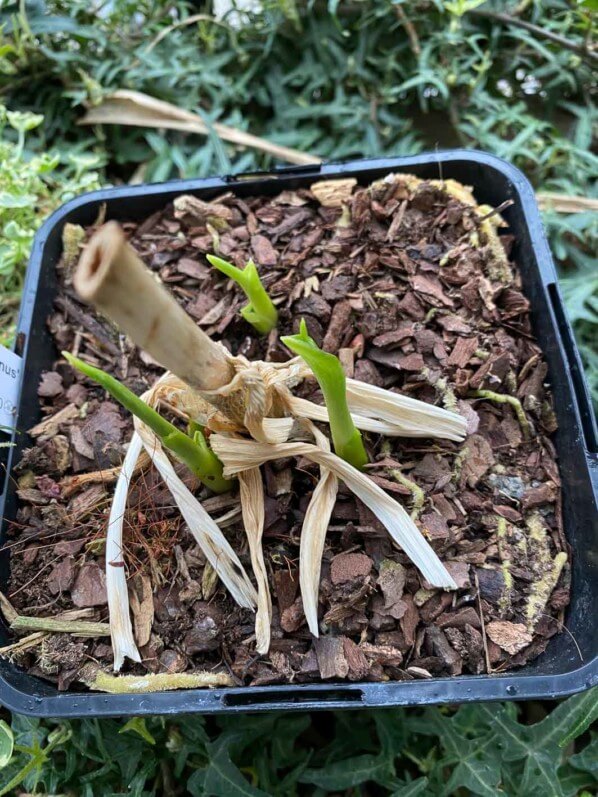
[{"x": 10, "y": 377}]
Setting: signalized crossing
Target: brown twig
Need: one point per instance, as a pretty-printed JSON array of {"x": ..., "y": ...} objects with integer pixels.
[
  {"x": 580, "y": 48},
  {"x": 410, "y": 31},
  {"x": 499, "y": 209}
]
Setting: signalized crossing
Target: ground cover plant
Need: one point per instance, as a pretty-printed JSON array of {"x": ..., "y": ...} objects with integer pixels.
[
  {"x": 362, "y": 79},
  {"x": 487, "y": 750},
  {"x": 381, "y": 77}
]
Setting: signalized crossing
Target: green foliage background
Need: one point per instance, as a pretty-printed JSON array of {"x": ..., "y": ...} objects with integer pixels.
[{"x": 341, "y": 80}]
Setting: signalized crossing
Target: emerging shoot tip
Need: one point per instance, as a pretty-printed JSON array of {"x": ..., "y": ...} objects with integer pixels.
[
  {"x": 260, "y": 311},
  {"x": 331, "y": 378},
  {"x": 194, "y": 451}
]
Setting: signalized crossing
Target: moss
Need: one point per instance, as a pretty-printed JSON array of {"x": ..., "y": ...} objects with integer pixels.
[
  {"x": 537, "y": 542},
  {"x": 546, "y": 570},
  {"x": 73, "y": 236},
  {"x": 458, "y": 464},
  {"x": 418, "y": 495},
  {"x": 448, "y": 396},
  {"x": 505, "y": 398},
  {"x": 542, "y": 589},
  {"x": 215, "y": 237},
  {"x": 486, "y": 235},
  {"x": 502, "y": 533},
  {"x": 101, "y": 681}
]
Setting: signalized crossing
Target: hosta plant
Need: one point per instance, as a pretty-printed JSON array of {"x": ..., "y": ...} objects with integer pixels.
[{"x": 252, "y": 416}]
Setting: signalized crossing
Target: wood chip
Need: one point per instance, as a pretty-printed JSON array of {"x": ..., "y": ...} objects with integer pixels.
[
  {"x": 509, "y": 636},
  {"x": 332, "y": 193},
  {"x": 463, "y": 351},
  {"x": 332, "y": 661},
  {"x": 349, "y": 567},
  {"x": 90, "y": 587},
  {"x": 50, "y": 426},
  {"x": 142, "y": 607}
]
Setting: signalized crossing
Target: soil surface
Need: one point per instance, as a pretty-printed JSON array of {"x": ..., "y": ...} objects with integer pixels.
[{"x": 402, "y": 284}]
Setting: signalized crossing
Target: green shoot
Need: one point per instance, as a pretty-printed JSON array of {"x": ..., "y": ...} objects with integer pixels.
[
  {"x": 260, "y": 312},
  {"x": 331, "y": 378},
  {"x": 193, "y": 451}
]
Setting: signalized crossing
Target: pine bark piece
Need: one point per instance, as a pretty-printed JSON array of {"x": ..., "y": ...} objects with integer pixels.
[
  {"x": 512, "y": 637},
  {"x": 332, "y": 662},
  {"x": 332, "y": 193},
  {"x": 89, "y": 588}
]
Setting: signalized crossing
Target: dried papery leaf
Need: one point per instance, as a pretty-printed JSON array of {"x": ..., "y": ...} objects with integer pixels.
[
  {"x": 252, "y": 504},
  {"x": 239, "y": 455},
  {"x": 387, "y": 413},
  {"x": 313, "y": 536},
  {"x": 278, "y": 430},
  {"x": 412, "y": 417},
  {"x": 205, "y": 531},
  {"x": 125, "y": 107},
  {"x": 121, "y": 631}
]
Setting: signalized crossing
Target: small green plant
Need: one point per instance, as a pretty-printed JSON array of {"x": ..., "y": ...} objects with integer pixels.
[
  {"x": 330, "y": 375},
  {"x": 31, "y": 187},
  {"x": 192, "y": 450},
  {"x": 260, "y": 312},
  {"x": 477, "y": 749}
]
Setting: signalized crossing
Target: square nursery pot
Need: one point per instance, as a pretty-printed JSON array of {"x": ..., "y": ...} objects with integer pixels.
[{"x": 570, "y": 663}]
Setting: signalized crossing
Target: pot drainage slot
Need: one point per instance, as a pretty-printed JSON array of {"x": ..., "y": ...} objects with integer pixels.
[{"x": 295, "y": 696}]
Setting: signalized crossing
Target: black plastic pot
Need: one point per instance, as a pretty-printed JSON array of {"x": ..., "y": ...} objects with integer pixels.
[{"x": 570, "y": 663}]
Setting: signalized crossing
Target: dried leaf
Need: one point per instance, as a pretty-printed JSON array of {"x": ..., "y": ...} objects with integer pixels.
[
  {"x": 252, "y": 505},
  {"x": 240, "y": 455},
  {"x": 206, "y": 532},
  {"x": 313, "y": 535},
  {"x": 374, "y": 409},
  {"x": 121, "y": 631}
]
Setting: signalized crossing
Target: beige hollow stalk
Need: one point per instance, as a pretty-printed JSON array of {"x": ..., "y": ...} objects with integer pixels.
[{"x": 112, "y": 278}]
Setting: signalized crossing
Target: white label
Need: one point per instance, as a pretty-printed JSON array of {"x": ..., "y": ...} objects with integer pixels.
[{"x": 10, "y": 373}]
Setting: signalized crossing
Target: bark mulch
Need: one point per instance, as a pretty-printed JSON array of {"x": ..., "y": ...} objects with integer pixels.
[{"x": 399, "y": 283}]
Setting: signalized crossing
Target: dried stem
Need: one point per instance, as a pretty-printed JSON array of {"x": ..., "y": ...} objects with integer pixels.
[
  {"x": 111, "y": 276},
  {"x": 80, "y": 628},
  {"x": 580, "y": 48},
  {"x": 158, "y": 682}
]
